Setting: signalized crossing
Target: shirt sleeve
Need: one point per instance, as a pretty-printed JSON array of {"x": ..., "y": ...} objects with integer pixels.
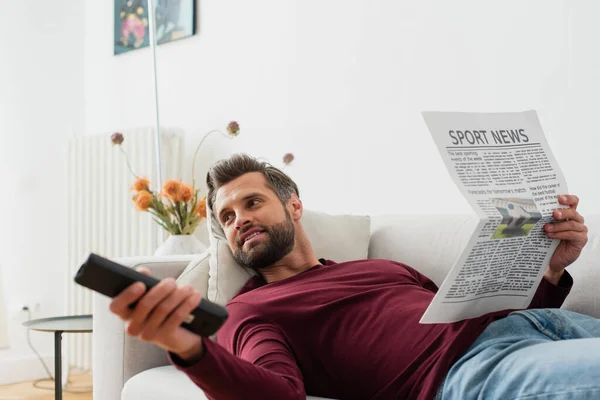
[
  {"x": 251, "y": 361},
  {"x": 549, "y": 295}
]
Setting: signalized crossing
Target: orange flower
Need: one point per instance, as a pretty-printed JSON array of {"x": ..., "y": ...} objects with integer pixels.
[
  {"x": 143, "y": 200},
  {"x": 172, "y": 190},
  {"x": 201, "y": 208},
  {"x": 141, "y": 184},
  {"x": 186, "y": 192}
]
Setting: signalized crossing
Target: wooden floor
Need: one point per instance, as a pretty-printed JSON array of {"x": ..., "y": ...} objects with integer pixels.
[{"x": 26, "y": 390}]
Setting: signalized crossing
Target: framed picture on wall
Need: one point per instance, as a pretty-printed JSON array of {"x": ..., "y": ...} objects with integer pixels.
[{"x": 175, "y": 19}]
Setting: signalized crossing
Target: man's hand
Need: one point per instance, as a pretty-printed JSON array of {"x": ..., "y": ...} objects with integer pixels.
[
  {"x": 570, "y": 228},
  {"x": 158, "y": 315}
]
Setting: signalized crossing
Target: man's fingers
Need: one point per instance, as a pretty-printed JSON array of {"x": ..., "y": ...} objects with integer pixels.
[
  {"x": 147, "y": 303},
  {"x": 162, "y": 311},
  {"x": 569, "y": 200},
  {"x": 143, "y": 270},
  {"x": 566, "y": 226},
  {"x": 578, "y": 239},
  {"x": 568, "y": 214},
  {"x": 120, "y": 303},
  {"x": 181, "y": 313}
]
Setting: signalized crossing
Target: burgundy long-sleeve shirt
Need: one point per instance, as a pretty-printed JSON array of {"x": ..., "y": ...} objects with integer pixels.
[{"x": 344, "y": 331}]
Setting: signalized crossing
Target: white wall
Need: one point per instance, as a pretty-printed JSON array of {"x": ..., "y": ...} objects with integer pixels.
[
  {"x": 41, "y": 106},
  {"x": 342, "y": 83}
]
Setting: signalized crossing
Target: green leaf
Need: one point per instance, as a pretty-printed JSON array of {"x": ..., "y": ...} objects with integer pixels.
[
  {"x": 191, "y": 226},
  {"x": 163, "y": 225}
]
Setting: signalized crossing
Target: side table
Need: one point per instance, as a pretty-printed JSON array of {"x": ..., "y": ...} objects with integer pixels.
[{"x": 58, "y": 325}]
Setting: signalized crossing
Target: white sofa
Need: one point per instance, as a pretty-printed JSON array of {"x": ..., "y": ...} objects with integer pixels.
[{"x": 130, "y": 369}]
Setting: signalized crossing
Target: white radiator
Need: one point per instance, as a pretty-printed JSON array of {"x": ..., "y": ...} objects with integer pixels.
[{"x": 102, "y": 218}]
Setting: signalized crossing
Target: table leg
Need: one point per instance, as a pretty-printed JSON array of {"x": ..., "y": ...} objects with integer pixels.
[{"x": 57, "y": 365}]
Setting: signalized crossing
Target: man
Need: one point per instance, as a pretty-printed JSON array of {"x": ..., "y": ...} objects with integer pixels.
[{"x": 351, "y": 330}]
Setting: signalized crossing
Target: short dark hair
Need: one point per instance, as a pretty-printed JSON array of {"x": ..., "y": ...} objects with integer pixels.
[{"x": 226, "y": 170}]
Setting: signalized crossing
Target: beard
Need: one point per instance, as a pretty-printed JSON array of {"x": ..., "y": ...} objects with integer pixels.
[{"x": 278, "y": 243}]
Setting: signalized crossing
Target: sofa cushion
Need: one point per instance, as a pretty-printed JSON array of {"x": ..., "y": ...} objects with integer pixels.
[
  {"x": 161, "y": 383},
  {"x": 196, "y": 273},
  {"x": 335, "y": 237},
  {"x": 165, "y": 383}
]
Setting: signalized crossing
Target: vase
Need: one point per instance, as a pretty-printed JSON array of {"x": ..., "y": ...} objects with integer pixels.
[{"x": 180, "y": 244}]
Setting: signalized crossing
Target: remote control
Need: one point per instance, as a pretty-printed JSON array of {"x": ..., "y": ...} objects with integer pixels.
[{"x": 110, "y": 278}]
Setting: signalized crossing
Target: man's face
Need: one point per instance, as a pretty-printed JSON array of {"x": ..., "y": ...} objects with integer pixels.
[{"x": 259, "y": 229}]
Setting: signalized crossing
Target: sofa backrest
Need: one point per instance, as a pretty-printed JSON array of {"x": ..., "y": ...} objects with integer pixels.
[{"x": 428, "y": 243}]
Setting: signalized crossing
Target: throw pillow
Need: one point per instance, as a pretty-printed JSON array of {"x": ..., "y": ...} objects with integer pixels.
[{"x": 196, "y": 273}]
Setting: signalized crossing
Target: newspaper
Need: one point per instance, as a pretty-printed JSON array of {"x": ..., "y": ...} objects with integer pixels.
[{"x": 504, "y": 167}]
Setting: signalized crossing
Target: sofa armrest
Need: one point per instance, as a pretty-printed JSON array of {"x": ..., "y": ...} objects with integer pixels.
[{"x": 118, "y": 356}]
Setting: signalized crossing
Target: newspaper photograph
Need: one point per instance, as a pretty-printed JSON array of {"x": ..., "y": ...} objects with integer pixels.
[{"x": 504, "y": 167}]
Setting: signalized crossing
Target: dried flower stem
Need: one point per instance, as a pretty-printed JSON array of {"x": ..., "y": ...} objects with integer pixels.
[
  {"x": 196, "y": 153},
  {"x": 127, "y": 161}
]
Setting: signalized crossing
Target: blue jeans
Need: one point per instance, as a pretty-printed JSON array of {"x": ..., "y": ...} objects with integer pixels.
[{"x": 530, "y": 354}]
